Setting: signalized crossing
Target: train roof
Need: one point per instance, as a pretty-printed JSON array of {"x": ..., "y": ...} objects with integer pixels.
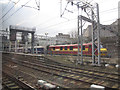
[
  {"x": 39, "y": 46},
  {"x": 69, "y": 45},
  {"x": 30, "y": 47}
]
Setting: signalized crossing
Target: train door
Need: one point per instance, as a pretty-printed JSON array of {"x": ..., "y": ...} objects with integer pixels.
[{"x": 90, "y": 50}]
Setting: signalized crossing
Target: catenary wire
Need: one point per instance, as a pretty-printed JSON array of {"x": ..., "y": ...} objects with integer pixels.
[
  {"x": 16, "y": 11},
  {"x": 9, "y": 10}
]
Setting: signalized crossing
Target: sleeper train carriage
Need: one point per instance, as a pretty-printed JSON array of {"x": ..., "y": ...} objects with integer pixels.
[{"x": 73, "y": 49}]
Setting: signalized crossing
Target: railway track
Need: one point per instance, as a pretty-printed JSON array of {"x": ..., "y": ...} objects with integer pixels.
[
  {"x": 70, "y": 73},
  {"x": 75, "y": 74},
  {"x": 30, "y": 76},
  {"x": 9, "y": 82}
]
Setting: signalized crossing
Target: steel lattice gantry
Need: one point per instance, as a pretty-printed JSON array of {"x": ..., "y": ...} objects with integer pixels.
[
  {"x": 92, "y": 12},
  {"x": 94, "y": 20}
]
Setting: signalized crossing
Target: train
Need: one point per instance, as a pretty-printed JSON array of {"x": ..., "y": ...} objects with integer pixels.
[
  {"x": 37, "y": 50},
  {"x": 72, "y": 49},
  {"x": 69, "y": 49}
]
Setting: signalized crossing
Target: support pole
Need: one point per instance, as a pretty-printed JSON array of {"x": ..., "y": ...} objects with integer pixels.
[
  {"x": 36, "y": 50},
  {"x": 15, "y": 46},
  {"x": 78, "y": 58},
  {"x": 98, "y": 31},
  {"x": 93, "y": 39},
  {"x": 32, "y": 44},
  {"x": 3, "y": 46},
  {"x": 26, "y": 47},
  {"x": 81, "y": 40},
  {"x": 9, "y": 46}
]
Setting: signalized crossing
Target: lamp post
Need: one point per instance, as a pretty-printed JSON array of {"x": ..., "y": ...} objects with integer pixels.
[{"x": 46, "y": 44}]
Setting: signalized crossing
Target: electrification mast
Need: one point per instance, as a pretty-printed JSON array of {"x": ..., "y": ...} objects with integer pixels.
[{"x": 92, "y": 16}]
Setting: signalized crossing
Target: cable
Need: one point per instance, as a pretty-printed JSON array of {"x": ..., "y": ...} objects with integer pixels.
[
  {"x": 6, "y": 6},
  {"x": 16, "y": 11},
  {"x": 36, "y": 2},
  {"x": 110, "y": 20},
  {"x": 64, "y": 10},
  {"x": 38, "y": 6},
  {"x": 46, "y": 21},
  {"x": 9, "y": 10},
  {"x": 58, "y": 23}
]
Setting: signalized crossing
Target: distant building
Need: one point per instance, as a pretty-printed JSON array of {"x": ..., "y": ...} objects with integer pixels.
[
  {"x": 108, "y": 36},
  {"x": 106, "y": 31},
  {"x": 64, "y": 39},
  {"x": 59, "y": 39},
  {"x": 61, "y": 35}
]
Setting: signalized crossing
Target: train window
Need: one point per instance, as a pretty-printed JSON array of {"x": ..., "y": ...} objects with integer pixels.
[
  {"x": 71, "y": 47},
  {"x": 83, "y": 47},
  {"x": 65, "y": 47},
  {"x": 90, "y": 46},
  {"x": 61, "y": 48},
  {"x": 53, "y": 48}
]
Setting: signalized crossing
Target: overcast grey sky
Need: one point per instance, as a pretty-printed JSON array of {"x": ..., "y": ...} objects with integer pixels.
[{"x": 48, "y": 18}]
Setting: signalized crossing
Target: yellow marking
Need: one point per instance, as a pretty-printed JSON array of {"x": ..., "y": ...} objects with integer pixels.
[
  {"x": 10, "y": 84},
  {"x": 110, "y": 76},
  {"x": 71, "y": 75},
  {"x": 60, "y": 78},
  {"x": 57, "y": 49},
  {"x": 14, "y": 87},
  {"x": 72, "y": 82},
  {"x": 86, "y": 49},
  {"x": 103, "y": 49},
  {"x": 96, "y": 73},
  {"x": 77, "y": 76},
  {"x": 115, "y": 86},
  {"x": 7, "y": 82},
  {"x": 116, "y": 77},
  {"x": 97, "y": 81},
  {"x": 80, "y": 79},
  {"x": 83, "y": 78},
  {"x": 101, "y": 74},
  {"x": 85, "y": 71},
  {"x": 88, "y": 80},
  {"x": 63, "y": 75},
  {"x": 80, "y": 70},
  {"x": 105, "y": 83},
  {"x": 90, "y": 72},
  {"x": 65, "y": 80},
  {"x": 75, "y": 49},
  {"x": 79, "y": 83}
]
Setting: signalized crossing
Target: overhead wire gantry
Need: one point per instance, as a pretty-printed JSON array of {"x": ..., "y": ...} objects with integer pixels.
[{"x": 92, "y": 16}]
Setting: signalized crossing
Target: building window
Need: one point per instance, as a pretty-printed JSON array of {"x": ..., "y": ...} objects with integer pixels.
[
  {"x": 65, "y": 47},
  {"x": 71, "y": 47},
  {"x": 61, "y": 48}
]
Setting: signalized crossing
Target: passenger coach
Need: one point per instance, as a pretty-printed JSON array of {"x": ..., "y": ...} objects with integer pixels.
[{"x": 72, "y": 49}]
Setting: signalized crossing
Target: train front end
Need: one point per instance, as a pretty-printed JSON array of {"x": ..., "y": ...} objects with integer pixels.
[{"x": 104, "y": 52}]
